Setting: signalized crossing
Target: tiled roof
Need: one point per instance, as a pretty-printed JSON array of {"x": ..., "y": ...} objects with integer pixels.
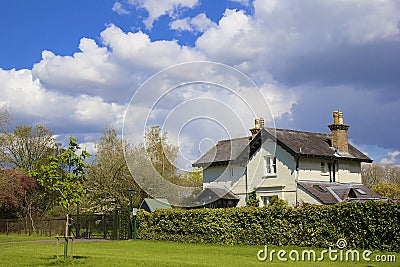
[
  {"x": 297, "y": 143},
  {"x": 333, "y": 193},
  {"x": 211, "y": 194},
  {"x": 224, "y": 151},
  {"x": 313, "y": 144}
]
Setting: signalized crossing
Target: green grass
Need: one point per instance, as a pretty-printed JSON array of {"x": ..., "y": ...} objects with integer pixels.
[
  {"x": 151, "y": 253},
  {"x": 23, "y": 237}
]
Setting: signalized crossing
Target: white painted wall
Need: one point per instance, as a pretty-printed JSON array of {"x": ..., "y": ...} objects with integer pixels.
[
  {"x": 349, "y": 172},
  {"x": 346, "y": 172}
]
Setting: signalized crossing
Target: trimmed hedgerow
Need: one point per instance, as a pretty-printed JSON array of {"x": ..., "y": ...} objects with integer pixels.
[{"x": 367, "y": 225}]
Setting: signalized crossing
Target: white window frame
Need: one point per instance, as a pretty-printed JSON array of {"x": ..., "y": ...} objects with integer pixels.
[{"x": 270, "y": 165}]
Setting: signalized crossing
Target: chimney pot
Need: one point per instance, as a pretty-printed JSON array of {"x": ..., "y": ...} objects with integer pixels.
[
  {"x": 335, "y": 117},
  {"x": 262, "y": 123},
  {"x": 340, "y": 117}
]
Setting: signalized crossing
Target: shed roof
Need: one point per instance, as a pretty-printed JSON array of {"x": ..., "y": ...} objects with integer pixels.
[
  {"x": 214, "y": 193},
  {"x": 151, "y": 204}
]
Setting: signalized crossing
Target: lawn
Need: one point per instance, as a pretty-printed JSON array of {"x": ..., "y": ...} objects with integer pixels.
[{"x": 150, "y": 253}]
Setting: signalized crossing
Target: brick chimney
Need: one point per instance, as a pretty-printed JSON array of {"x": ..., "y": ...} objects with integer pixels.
[
  {"x": 339, "y": 135},
  {"x": 258, "y": 125}
]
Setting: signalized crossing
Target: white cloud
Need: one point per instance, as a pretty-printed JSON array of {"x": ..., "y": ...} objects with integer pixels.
[
  {"x": 181, "y": 25},
  {"x": 26, "y": 98},
  {"x": 392, "y": 158},
  {"x": 111, "y": 71},
  {"x": 157, "y": 9},
  {"x": 243, "y": 2},
  {"x": 200, "y": 23},
  {"x": 280, "y": 30},
  {"x": 235, "y": 40},
  {"x": 119, "y": 9}
]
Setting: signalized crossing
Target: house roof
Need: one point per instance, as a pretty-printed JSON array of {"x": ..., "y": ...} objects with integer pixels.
[
  {"x": 211, "y": 194},
  {"x": 151, "y": 204},
  {"x": 297, "y": 143},
  {"x": 333, "y": 193}
]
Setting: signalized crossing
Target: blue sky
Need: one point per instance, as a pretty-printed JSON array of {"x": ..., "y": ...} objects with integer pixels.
[{"x": 74, "y": 65}]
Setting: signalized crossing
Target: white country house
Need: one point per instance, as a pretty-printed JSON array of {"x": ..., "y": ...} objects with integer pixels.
[{"x": 296, "y": 166}]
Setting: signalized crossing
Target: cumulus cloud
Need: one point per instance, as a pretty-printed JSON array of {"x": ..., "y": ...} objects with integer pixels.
[
  {"x": 28, "y": 99},
  {"x": 112, "y": 70},
  {"x": 200, "y": 23},
  {"x": 157, "y": 9},
  {"x": 234, "y": 40}
]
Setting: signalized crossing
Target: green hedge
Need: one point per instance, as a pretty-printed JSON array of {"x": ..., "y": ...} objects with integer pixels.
[{"x": 367, "y": 225}]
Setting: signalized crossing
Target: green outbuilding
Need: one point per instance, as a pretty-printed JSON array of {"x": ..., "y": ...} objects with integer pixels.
[{"x": 151, "y": 204}]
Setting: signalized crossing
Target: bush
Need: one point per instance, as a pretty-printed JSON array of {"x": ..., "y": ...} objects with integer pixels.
[{"x": 367, "y": 225}]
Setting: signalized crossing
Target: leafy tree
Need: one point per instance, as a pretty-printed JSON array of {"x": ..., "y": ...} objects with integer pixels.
[
  {"x": 162, "y": 155},
  {"x": 14, "y": 189},
  {"x": 253, "y": 201},
  {"x": 65, "y": 175},
  {"x": 387, "y": 190},
  {"x": 27, "y": 147},
  {"x": 109, "y": 177},
  {"x": 4, "y": 118},
  {"x": 193, "y": 178}
]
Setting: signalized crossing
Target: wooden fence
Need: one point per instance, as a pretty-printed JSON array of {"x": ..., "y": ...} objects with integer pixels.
[{"x": 45, "y": 227}]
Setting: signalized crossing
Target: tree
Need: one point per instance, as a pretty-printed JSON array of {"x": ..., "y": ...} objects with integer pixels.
[
  {"x": 253, "y": 201},
  {"x": 27, "y": 147},
  {"x": 384, "y": 180},
  {"x": 387, "y": 190},
  {"x": 109, "y": 177},
  {"x": 14, "y": 188},
  {"x": 4, "y": 119},
  {"x": 193, "y": 178},
  {"x": 162, "y": 155},
  {"x": 65, "y": 176}
]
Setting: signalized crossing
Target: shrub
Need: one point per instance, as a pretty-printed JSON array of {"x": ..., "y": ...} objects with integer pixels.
[{"x": 367, "y": 225}]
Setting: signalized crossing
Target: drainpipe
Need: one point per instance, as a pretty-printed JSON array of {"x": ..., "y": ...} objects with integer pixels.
[
  {"x": 296, "y": 178},
  {"x": 246, "y": 197}
]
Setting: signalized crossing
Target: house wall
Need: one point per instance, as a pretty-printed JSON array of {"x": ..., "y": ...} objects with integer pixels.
[
  {"x": 281, "y": 184},
  {"x": 310, "y": 169},
  {"x": 346, "y": 172},
  {"x": 349, "y": 172},
  {"x": 225, "y": 175}
]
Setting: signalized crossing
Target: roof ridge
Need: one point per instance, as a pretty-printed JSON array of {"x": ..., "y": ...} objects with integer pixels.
[{"x": 298, "y": 131}]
